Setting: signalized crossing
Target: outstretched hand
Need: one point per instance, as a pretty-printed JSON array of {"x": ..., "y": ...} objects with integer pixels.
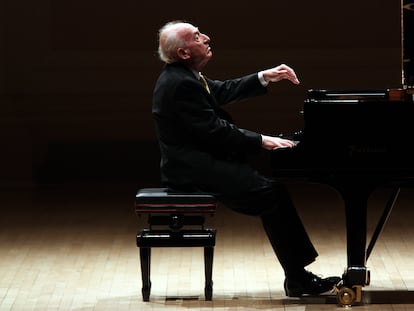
[{"x": 279, "y": 73}]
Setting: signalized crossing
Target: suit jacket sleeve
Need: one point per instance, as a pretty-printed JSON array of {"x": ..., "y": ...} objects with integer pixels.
[
  {"x": 205, "y": 122},
  {"x": 229, "y": 91}
]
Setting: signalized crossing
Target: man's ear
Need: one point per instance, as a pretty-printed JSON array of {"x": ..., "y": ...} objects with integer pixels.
[{"x": 183, "y": 53}]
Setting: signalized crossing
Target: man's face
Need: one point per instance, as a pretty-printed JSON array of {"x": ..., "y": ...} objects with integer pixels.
[{"x": 197, "y": 46}]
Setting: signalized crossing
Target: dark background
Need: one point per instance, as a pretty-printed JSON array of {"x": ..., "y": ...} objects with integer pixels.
[{"x": 76, "y": 76}]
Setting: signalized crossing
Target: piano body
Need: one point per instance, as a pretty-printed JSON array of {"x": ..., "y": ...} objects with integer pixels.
[{"x": 354, "y": 141}]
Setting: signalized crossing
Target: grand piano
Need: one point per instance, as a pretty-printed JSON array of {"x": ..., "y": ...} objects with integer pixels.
[{"x": 356, "y": 141}]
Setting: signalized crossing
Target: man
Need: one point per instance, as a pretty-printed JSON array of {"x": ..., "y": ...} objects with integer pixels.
[{"x": 203, "y": 150}]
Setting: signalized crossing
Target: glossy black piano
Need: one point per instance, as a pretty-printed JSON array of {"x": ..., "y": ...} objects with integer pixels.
[
  {"x": 354, "y": 141},
  {"x": 364, "y": 130}
]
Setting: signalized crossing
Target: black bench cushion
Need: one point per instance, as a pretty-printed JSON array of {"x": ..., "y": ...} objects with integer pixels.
[{"x": 163, "y": 200}]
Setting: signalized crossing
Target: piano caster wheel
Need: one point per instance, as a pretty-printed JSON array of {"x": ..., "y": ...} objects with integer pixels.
[{"x": 345, "y": 296}]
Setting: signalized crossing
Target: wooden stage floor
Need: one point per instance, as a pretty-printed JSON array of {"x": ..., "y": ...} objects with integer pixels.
[{"x": 72, "y": 247}]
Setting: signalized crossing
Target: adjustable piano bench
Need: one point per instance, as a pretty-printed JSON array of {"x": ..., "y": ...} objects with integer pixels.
[{"x": 175, "y": 219}]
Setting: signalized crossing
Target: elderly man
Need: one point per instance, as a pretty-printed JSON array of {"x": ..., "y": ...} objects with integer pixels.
[{"x": 203, "y": 150}]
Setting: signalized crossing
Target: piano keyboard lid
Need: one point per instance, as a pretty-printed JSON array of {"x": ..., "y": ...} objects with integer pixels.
[{"x": 357, "y": 96}]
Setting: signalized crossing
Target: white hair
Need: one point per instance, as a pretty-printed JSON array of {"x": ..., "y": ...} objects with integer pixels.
[{"x": 169, "y": 41}]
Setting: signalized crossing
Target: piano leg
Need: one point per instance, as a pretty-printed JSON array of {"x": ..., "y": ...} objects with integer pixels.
[
  {"x": 356, "y": 275},
  {"x": 356, "y": 223}
]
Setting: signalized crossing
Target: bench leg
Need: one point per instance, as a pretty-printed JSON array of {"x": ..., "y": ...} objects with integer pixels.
[
  {"x": 145, "y": 256},
  {"x": 208, "y": 269}
]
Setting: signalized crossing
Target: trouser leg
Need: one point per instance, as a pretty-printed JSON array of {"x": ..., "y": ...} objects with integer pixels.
[
  {"x": 285, "y": 231},
  {"x": 281, "y": 223}
]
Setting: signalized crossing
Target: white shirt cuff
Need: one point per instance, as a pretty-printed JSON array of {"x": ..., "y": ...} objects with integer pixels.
[{"x": 262, "y": 79}]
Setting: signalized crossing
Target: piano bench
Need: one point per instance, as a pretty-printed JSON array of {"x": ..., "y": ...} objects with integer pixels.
[{"x": 175, "y": 219}]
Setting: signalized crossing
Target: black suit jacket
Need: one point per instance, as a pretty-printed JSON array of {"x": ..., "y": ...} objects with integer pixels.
[{"x": 201, "y": 148}]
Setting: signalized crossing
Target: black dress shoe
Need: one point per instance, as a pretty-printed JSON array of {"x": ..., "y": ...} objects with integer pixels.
[{"x": 309, "y": 284}]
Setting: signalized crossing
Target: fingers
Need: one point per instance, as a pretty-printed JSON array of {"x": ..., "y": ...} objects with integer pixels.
[
  {"x": 272, "y": 143},
  {"x": 287, "y": 73},
  {"x": 282, "y": 72},
  {"x": 284, "y": 143}
]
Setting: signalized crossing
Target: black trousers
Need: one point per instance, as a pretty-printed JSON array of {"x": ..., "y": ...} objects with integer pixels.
[{"x": 281, "y": 222}]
